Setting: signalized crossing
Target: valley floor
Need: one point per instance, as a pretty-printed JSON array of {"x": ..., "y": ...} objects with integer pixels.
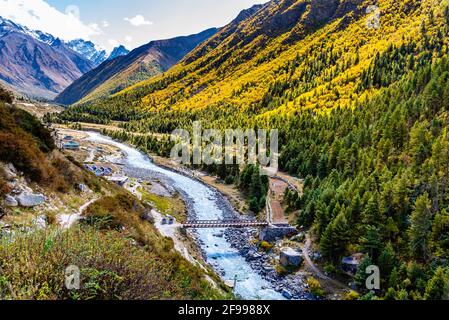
[{"x": 186, "y": 246}]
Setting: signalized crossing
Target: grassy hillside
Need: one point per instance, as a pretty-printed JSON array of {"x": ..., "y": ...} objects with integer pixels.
[{"x": 120, "y": 254}]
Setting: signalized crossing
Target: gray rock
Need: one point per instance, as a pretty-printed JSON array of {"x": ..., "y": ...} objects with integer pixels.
[
  {"x": 290, "y": 258},
  {"x": 28, "y": 199},
  {"x": 10, "y": 201},
  {"x": 287, "y": 294},
  {"x": 273, "y": 232},
  {"x": 83, "y": 187},
  {"x": 10, "y": 172},
  {"x": 316, "y": 256},
  {"x": 299, "y": 237}
]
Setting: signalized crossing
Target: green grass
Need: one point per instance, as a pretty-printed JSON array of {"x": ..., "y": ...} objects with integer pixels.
[
  {"x": 111, "y": 265},
  {"x": 173, "y": 206}
]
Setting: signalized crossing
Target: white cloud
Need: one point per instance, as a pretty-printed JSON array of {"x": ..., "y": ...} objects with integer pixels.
[
  {"x": 39, "y": 15},
  {"x": 105, "y": 23},
  {"x": 138, "y": 21},
  {"x": 113, "y": 43},
  {"x": 128, "y": 39}
]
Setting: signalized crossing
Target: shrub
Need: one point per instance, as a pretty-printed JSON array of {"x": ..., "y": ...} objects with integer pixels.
[
  {"x": 111, "y": 266},
  {"x": 315, "y": 287},
  {"x": 5, "y": 96},
  {"x": 266, "y": 246},
  {"x": 4, "y": 188},
  {"x": 281, "y": 271},
  {"x": 352, "y": 295},
  {"x": 329, "y": 268}
]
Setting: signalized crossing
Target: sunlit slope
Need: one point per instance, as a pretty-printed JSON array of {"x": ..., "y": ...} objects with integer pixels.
[
  {"x": 142, "y": 63},
  {"x": 285, "y": 56}
]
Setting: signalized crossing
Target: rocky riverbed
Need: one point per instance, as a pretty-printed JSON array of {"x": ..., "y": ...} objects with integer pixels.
[{"x": 228, "y": 251}]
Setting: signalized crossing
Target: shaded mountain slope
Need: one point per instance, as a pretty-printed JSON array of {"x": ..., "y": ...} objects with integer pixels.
[
  {"x": 141, "y": 63},
  {"x": 36, "y": 64}
]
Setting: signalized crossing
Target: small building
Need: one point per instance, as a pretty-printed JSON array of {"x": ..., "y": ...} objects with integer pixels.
[
  {"x": 118, "y": 180},
  {"x": 168, "y": 220},
  {"x": 351, "y": 264},
  {"x": 71, "y": 145}
]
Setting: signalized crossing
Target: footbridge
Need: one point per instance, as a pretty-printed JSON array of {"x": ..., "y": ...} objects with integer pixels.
[{"x": 210, "y": 224}]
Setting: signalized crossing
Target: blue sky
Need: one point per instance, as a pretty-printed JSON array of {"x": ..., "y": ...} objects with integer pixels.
[{"x": 128, "y": 22}]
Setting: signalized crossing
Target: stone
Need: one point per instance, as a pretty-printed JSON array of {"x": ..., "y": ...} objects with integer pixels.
[
  {"x": 290, "y": 258},
  {"x": 273, "y": 233},
  {"x": 287, "y": 294},
  {"x": 10, "y": 172},
  {"x": 83, "y": 187},
  {"x": 316, "y": 256},
  {"x": 10, "y": 201},
  {"x": 28, "y": 199},
  {"x": 300, "y": 237}
]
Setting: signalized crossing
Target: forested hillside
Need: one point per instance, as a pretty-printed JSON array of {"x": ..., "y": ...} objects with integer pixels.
[{"x": 363, "y": 116}]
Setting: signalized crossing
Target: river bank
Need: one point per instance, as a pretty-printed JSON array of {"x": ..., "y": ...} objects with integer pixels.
[
  {"x": 245, "y": 243},
  {"x": 204, "y": 203}
]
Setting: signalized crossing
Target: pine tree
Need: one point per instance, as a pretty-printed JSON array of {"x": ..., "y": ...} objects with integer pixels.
[
  {"x": 420, "y": 227},
  {"x": 438, "y": 287},
  {"x": 387, "y": 259},
  {"x": 335, "y": 238},
  {"x": 371, "y": 241},
  {"x": 361, "y": 275},
  {"x": 440, "y": 231}
]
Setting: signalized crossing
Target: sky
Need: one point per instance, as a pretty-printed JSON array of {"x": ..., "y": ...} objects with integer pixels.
[{"x": 132, "y": 23}]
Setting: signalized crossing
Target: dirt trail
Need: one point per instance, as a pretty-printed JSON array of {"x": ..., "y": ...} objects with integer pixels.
[
  {"x": 314, "y": 269},
  {"x": 67, "y": 220}
]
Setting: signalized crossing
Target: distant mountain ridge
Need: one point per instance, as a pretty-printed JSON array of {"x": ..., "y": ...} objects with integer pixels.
[
  {"x": 96, "y": 54},
  {"x": 141, "y": 63},
  {"x": 118, "y": 52},
  {"x": 41, "y": 65},
  {"x": 35, "y": 63},
  {"x": 88, "y": 50}
]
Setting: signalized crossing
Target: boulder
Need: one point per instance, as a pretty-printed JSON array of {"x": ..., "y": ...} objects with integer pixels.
[
  {"x": 290, "y": 258},
  {"x": 274, "y": 233},
  {"x": 287, "y": 294},
  {"x": 28, "y": 199},
  {"x": 10, "y": 172},
  {"x": 83, "y": 188},
  {"x": 10, "y": 201}
]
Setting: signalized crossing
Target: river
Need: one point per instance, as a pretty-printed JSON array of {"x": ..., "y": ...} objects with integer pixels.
[{"x": 204, "y": 204}]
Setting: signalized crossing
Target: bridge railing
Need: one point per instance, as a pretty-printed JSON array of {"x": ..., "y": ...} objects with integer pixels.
[{"x": 223, "y": 224}]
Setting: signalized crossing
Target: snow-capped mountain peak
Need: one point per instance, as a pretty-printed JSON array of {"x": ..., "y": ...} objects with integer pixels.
[
  {"x": 118, "y": 52},
  {"x": 89, "y": 50},
  {"x": 7, "y": 26}
]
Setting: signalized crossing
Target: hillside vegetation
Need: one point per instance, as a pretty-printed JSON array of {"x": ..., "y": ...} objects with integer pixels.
[
  {"x": 363, "y": 117},
  {"x": 118, "y": 250}
]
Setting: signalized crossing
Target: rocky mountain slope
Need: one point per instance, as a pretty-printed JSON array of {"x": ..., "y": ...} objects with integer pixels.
[
  {"x": 118, "y": 52},
  {"x": 37, "y": 64},
  {"x": 116, "y": 74},
  {"x": 88, "y": 50}
]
